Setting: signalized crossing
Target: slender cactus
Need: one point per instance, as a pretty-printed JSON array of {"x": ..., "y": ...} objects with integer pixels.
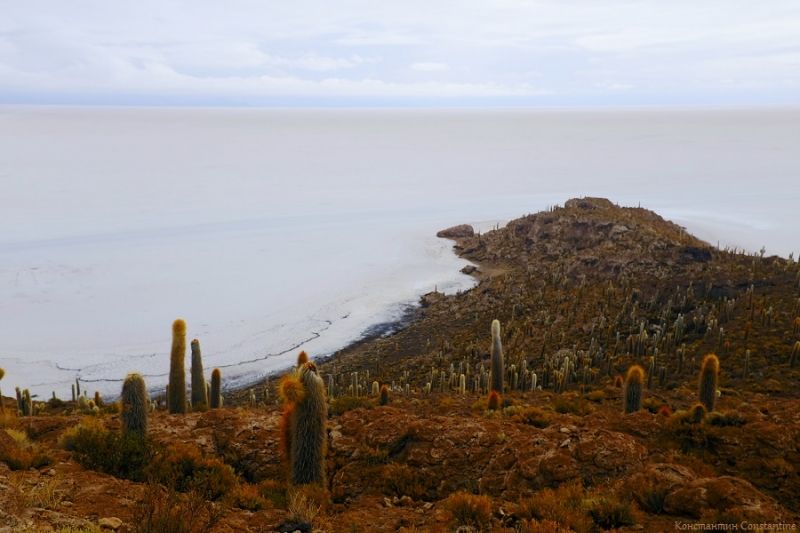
[
  {"x": 176, "y": 398},
  {"x": 135, "y": 405},
  {"x": 497, "y": 359},
  {"x": 308, "y": 428},
  {"x": 634, "y": 382},
  {"x": 708, "y": 382},
  {"x": 199, "y": 393},
  {"x": 216, "y": 389},
  {"x": 384, "y": 395}
]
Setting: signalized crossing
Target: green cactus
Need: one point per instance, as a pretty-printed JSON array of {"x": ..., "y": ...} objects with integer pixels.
[
  {"x": 216, "y": 389},
  {"x": 795, "y": 353},
  {"x": 98, "y": 400},
  {"x": 708, "y": 381},
  {"x": 199, "y": 395},
  {"x": 497, "y": 359},
  {"x": 135, "y": 405},
  {"x": 176, "y": 397},
  {"x": 27, "y": 406},
  {"x": 634, "y": 382},
  {"x": 308, "y": 429}
]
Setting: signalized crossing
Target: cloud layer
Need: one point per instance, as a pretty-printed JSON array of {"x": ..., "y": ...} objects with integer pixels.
[{"x": 313, "y": 52}]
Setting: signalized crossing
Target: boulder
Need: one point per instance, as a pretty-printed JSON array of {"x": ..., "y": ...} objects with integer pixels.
[{"x": 457, "y": 232}]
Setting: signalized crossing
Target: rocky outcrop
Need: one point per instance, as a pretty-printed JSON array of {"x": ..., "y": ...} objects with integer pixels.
[{"x": 457, "y": 232}]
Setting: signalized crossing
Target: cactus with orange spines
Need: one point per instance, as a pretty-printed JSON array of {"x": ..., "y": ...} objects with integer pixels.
[
  {"x": 305, "y": 417},
  {"x": 176, "y": 399},
  {"x": 634, "y": 383},
  {"x": 384, "y": 395},
  {"x": 302, "y": 358},
  {"x": 495, "y": 401},
  {"x": 709, "y": 375}
]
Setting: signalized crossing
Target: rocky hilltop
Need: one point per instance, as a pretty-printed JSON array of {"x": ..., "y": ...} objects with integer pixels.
[{"x": 583, "y": 293}]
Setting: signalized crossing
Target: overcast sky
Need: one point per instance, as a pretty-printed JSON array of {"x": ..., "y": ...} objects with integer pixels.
[{"x": 355, "y": 52}]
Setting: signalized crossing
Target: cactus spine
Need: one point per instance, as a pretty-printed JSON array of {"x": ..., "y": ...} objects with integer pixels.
[
  {"x": 634, "y": 381},
  {"x": 176, "y": 397},
  {"x": 708, "y": 382},
  {"x": 309, "y": 415},
  {"x": 795, "y": 353},
  {"x": 497, "y": 358},
  {"x": 135, "y": 405},
  {"x": 216, "y": 389},
  {"x": 199, "y": 394}
]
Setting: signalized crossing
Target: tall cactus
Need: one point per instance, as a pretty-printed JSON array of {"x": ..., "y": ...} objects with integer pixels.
[
  {"x": 2, "y": 374},
  {"x": 708, "y": 381},
  {"x": 634, "y": 382},
  {"x": 497, "y": 359},
  {"x": 135, "y": 405},
  {"x": 199, "y": 394},
  {"x": 216, "y": 389},
  {"x": 176, "y": 398},
  {"x": 305, "y": 391}
]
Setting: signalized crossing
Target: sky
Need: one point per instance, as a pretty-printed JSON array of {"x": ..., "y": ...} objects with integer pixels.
[{"x": 416, "y": 53}]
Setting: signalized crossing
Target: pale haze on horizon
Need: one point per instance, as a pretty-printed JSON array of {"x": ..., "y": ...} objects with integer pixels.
[{"x": 356, "y": 53}]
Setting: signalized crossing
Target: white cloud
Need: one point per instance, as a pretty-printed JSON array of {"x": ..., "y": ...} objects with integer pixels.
[
  {"x": 429, "y": 66},
  {"x": 203, "y": 48}
]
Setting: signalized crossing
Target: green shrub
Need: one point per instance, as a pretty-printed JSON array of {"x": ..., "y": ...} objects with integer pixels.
[
  {"x": 341, "y": 405},
  {"x": 730, "y": 418},
  {"x": 96, "y": 448},
  {"x": 183, "y": 468},
  {"x": 533, "y": 416},
  {"x": 579, "y": 407}
]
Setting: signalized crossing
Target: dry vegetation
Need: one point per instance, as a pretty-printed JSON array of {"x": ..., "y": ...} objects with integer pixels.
[{"x": 583, "y": 293}]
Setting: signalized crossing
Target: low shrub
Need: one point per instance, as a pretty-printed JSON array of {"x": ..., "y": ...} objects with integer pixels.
[
  {"x": 341, "y": 405},
  {"x": 730, "y": 418},
  {"x": 611, "y": 512},
  {"x": 164, "y": 510},
  {"x": 247, "y": 496},
  {"x": 579, "y": 407},
  {"x": 644, "y": 493},
  {"x": 564, "y": 506},
  {"x": 22, "y": 454},
  {"x": 373, "y": 456},
  {"x": 274, "y": 492},
  {"x": 184, "y": 468},
  {"x": 533, "y": 416},
  {"x": 401, "y": 480},
  {"x": 96, "y": 448},
  {"x": 470, "y": 510}
]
